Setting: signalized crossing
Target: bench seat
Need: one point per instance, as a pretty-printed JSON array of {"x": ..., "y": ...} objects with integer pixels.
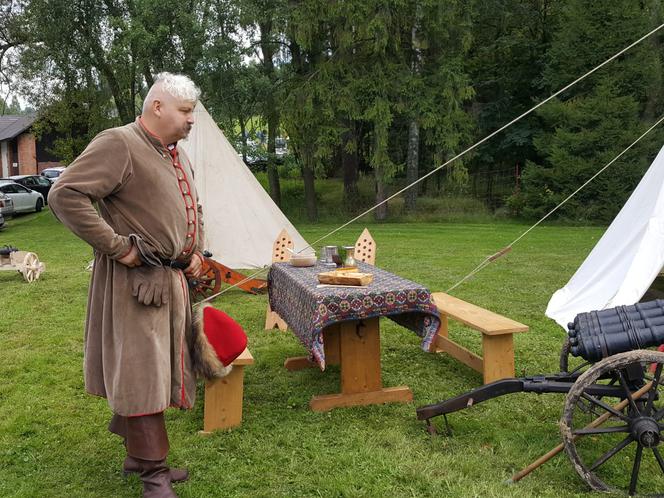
[{"x": 497, "y": 361}]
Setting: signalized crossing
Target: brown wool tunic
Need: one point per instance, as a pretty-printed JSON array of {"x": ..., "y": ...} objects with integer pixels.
[{"x": 136, "y": 355}]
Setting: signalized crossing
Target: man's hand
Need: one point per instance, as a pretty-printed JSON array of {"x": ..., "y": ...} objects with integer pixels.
[
  {"x": 195, "y": 268},
  {"x": 131, "y": 259}
]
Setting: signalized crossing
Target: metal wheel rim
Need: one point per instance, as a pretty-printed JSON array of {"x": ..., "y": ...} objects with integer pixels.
[{"x": 632, "y": 447}]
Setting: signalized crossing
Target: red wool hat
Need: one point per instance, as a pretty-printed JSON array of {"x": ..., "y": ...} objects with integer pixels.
[
  {"x": 218, "y": 340},
  {"x": 224, "y": 335}
]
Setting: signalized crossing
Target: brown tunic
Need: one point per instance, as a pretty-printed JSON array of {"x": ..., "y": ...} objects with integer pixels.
[{"x": 136, "y": 355}]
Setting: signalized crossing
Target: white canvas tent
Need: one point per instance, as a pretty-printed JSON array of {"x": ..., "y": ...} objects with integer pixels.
[
  {"x": 626, "y": 260},
  {"x": 241, "y": 220}
]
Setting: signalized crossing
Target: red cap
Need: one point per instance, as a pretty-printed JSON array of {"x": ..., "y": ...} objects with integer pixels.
[{"x": 224, "y": 334}]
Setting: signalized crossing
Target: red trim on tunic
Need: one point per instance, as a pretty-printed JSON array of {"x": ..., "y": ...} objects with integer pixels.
[
  {"x": 188, "y": 199},
  {"x": 144, "y": 414},
  {"x": 183, "y": 400},
  {"x": 150, "y": 132}
]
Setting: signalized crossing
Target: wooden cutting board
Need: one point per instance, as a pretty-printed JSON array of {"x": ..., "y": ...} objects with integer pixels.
[{"x": 345, "y": 277}]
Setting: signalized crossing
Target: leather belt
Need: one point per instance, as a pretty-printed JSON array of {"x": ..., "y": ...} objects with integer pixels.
[{"x": 174, "y": 263}]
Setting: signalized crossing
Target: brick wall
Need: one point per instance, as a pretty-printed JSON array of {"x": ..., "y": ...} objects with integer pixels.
[{"x": 27, "y": 154}]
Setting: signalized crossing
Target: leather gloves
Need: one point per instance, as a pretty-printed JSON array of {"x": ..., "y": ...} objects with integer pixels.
[{"x": 150, "y": 285}]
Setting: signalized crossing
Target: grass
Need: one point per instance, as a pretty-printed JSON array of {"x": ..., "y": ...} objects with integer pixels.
[
  {"x": 53, "y": 438},
  {"x": 329, "y": 199}
]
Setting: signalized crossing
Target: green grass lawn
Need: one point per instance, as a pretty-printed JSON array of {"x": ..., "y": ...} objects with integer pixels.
[{"x": 53, "y": 438}]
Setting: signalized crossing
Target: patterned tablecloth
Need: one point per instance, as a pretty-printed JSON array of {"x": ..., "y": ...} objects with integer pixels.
[{"x": 294, "y": 295}]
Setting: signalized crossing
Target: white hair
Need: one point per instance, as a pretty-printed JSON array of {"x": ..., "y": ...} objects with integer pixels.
[{"x": 178, "y": 85}]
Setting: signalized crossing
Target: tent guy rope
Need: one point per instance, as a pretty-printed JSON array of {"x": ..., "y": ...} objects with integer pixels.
[
  {"x": 503, "y": 251},
  {"x": 508, "y": 248}
]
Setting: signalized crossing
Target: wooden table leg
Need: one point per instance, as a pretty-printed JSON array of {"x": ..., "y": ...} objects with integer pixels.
[
  {"x": 331, "y": 345},
  {"x": 361, "y": 383}
]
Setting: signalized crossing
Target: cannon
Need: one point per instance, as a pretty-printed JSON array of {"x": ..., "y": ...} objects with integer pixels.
[
  {"x": 25, "y": 263},
  {"x": 613, "y": 415}
]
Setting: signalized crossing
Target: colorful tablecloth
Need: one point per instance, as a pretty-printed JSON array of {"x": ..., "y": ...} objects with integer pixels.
[{"x": 307, "y": 309}]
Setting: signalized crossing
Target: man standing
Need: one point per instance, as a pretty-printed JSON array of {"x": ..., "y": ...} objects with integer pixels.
[{"x": 147, "y": 226}]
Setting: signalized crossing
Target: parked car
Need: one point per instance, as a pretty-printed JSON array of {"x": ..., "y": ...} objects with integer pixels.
[
  {"x": 6, "y": 206},
  {"x": 2, "y": 221},
  {"x": 34, "y": 182},
  {"x": 25, "y": 200},
  {"x": 52, "y": 173}
]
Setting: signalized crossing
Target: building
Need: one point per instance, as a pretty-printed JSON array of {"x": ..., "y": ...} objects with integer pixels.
[{"x": 20, "y": 152}]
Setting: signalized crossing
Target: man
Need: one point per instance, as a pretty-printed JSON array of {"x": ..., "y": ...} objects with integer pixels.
[{"x": 147, "y": 226}]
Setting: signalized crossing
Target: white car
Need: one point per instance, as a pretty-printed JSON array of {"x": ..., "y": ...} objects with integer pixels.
[
  {"x": 53, "y": 173},
  {"x": 6, "y": 206},
  {"x": 25, "y": 200}
]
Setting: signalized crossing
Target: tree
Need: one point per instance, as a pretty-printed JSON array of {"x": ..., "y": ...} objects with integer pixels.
[
  {"x": 506, "y": 61},
  {"x": 599, "y": 117}
]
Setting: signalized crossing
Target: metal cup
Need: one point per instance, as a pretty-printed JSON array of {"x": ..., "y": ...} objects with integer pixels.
[{"x": 328, "y": 254}]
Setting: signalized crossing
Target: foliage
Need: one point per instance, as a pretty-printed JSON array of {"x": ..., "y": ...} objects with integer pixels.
[
  {"x": 598, "y": 119},
  {"x": 362, "y": 86}
]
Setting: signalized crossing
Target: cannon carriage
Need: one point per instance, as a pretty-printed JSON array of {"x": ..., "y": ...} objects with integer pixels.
[
  {"x": 24, "y": 262},
  {"x": 613, "y": 415}
]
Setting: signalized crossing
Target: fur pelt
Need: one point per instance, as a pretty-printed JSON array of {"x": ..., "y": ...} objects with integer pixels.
[{"x": 204, "y": 359}]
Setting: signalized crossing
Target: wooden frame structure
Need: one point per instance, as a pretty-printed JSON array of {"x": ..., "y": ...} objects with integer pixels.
[
  {"x": 365, "y": 248},
  {"x": 281, "y": 253},
  {"x": 497, "y": 342},
  {"x": 224, "y": 397},
  {"x": 355, "y": 346}
]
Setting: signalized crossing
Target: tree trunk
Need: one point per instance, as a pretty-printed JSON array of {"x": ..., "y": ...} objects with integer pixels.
[
  {"x": 271, "y": 112},
  {"x": 309, "y": 185},
  {"x": 412, "y": 165},
  {"x": 380, "y": 214},
  {"x": 350, "y": 165},
  {"x": 243, "y": 138}
]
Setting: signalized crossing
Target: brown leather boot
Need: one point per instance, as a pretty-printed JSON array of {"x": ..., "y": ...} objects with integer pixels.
[
  {"x": 118, "y": 425},
  {"x": 156, "y": 480},
  {"x": 147, "y": 444},
  {"x": 132, "y": 466}
]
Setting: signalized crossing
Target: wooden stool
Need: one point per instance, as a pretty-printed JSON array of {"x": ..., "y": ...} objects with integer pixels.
[
  {"x": 223, "y": 397},
  {"x": 280, "y": 253},
  {"x": 497, "y": 343}
]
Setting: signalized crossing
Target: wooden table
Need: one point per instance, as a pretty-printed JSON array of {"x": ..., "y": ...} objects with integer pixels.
[
  {"x": 355, "y": 346},
  {"x": 334, "y": 317}
]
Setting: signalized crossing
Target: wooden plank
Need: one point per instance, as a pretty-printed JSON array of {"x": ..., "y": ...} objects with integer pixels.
[
  {"x": 298, "y": 363},
  {"x": 245, "y": 358},
  {"x": 331, "y": 343},
  {"x": 446, "y": 345},
  {"x": 349, "y": 278},
  {"x": 400, "y": 394},
  {"x": 360, "y": 356},
  {"x": 481, "y": 319},
  {"x": 498, "y": 354},
  {"x": 273, "y": 320},
  {"x": 223, "y": 401}
]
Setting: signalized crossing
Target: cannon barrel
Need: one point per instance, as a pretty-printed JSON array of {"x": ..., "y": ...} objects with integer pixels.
[{"x": 598, "y": 334}]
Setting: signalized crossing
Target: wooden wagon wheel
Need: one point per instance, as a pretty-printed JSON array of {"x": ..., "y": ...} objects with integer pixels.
[
  {"x": 613, "y": 456},
  {"x": 208, "y": 284},
  {"x": 31, "y": 267}
]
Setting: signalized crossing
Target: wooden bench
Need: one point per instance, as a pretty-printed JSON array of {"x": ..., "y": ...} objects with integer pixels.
[
  {"x": 497, "y": 343},
  {"x": 223, "y": 397}
]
